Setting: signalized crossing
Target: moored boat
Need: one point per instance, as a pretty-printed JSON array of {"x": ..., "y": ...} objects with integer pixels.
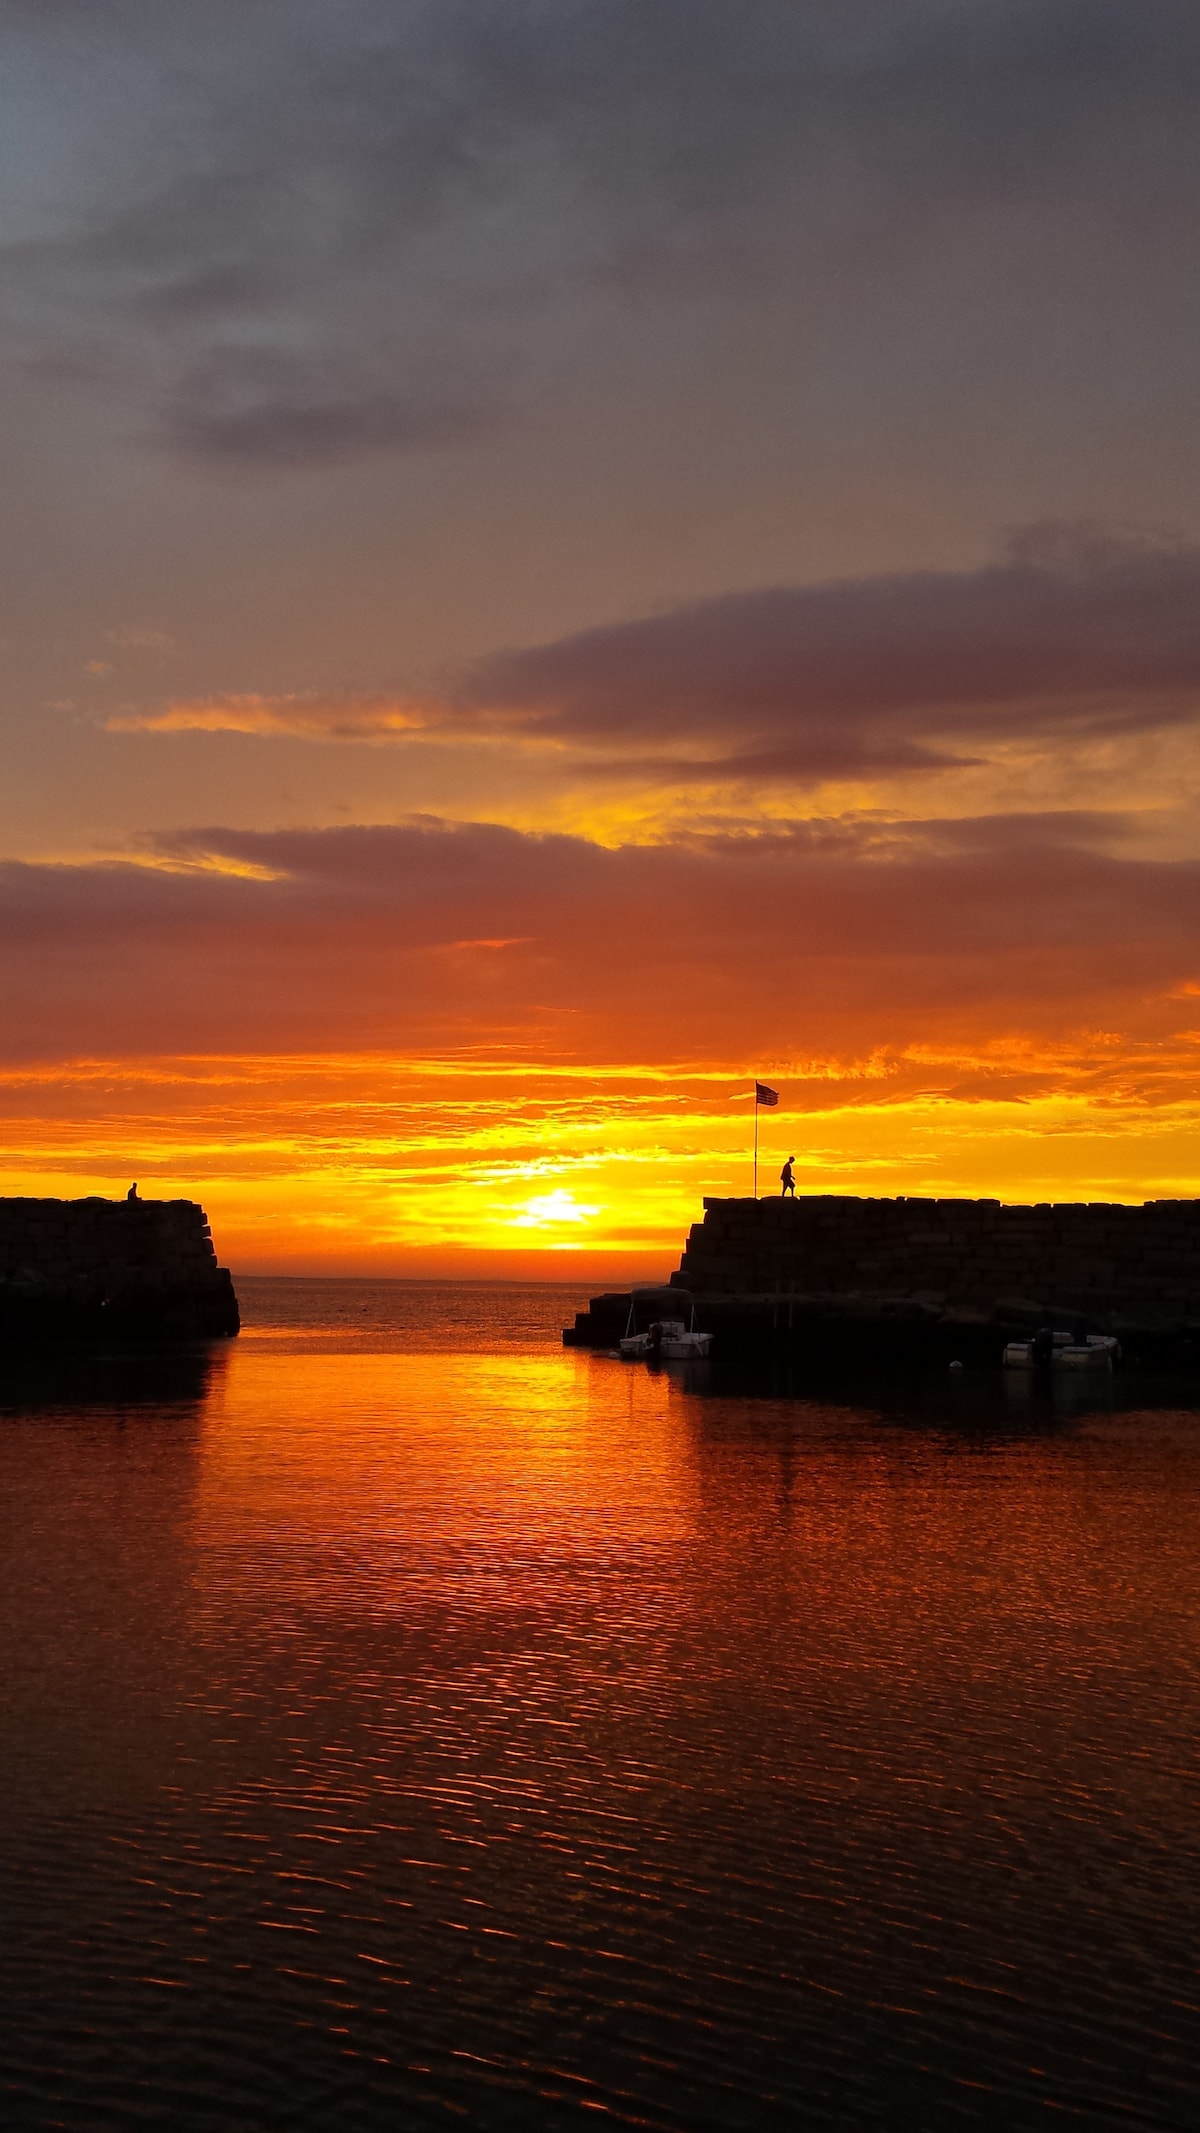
[
  {"x": 661, "y": 1339},
  {"x": 1059, "y": 1350}
]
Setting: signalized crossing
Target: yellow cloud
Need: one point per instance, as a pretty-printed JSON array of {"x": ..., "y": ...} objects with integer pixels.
[{"x": 381, "y": 1162}]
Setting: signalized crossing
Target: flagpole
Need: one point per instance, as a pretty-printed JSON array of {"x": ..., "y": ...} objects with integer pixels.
[{"x": 762, "y": 1095}]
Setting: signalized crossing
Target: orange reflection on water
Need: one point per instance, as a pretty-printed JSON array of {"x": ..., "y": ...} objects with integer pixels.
[
  {"x": 467, "y": 1699},
  {"x": 561, "y": 1576},
  {"x": 491, "y": 1468},
  {"x": 507, "y": 1473}
]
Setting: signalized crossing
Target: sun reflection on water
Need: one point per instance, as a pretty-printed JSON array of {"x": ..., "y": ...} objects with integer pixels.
[{"x": 413, "y": 1715}]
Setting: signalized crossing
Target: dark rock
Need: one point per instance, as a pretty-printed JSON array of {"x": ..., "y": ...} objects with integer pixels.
[{"x": 81, "y": 1272}]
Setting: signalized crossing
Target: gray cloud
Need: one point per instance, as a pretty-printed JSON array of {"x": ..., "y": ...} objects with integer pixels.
[
  {"x": 267, "y": 411},
  {"x": 1072, "y": 632},
  {"x": 406, "y": 216}
]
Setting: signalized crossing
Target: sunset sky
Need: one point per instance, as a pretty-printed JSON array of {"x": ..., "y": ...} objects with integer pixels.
[{"x": 560, "y": 555}]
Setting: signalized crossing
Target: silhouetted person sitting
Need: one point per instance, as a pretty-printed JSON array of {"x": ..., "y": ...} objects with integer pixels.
[
  {"x": 132, "y": 1192},
  {"x": 787, "y": 1179}
]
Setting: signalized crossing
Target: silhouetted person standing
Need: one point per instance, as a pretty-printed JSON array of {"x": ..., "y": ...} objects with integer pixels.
[{"x": 787, "y": 1179}]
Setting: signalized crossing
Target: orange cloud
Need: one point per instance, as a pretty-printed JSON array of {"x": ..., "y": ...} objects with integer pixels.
[
  {"x": 386, "y": 1046},
  {"x": 827, "y": 938},
  {"x": 389, "y": 1163},
  {"x": 300, "y": 716}
]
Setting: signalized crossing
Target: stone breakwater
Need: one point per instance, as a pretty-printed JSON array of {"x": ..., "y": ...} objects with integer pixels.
[
  {"x": 126, "y": 1270},
  {"x": 923, "y": 1279}
]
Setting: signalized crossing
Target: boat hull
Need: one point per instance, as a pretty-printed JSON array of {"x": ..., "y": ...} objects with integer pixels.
[
  {"x": 1099, "y": 1352},
  {"x": 680, "y": 1347}
]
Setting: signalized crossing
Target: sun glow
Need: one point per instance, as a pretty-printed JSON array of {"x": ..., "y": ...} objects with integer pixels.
[
  {"x": 549, "y": 1210},
  {"x": 374, "y": 1163}
]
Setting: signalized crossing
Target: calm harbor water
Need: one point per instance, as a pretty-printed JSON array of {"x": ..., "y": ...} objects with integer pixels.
[{"x": 410, "y": 1723}]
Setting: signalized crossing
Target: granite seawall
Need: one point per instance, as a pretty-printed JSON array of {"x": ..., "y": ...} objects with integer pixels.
[
  {"x": 928, "y": 1280},
  {"x": 81, "y": 1271}
]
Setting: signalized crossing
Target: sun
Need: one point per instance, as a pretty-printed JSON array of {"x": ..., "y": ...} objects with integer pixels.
[{"x": 550, "y": 1210}]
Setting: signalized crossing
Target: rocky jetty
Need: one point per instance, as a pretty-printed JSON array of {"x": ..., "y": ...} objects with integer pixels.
[
  {"x": 929, "y": 1280},
  {"x": 76, "y": 1272}
]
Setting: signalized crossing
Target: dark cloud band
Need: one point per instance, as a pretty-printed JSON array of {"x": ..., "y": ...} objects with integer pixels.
[
  {"x": 1071, "y": 636},
  {"x": 435, "y": 934}
]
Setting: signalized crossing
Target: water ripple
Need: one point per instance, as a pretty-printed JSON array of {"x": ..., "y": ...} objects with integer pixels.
[{"x": 509, "y": 1738}]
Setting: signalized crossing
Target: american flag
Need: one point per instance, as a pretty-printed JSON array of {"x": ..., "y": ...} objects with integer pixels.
[{"x": 764, "y": 1095}]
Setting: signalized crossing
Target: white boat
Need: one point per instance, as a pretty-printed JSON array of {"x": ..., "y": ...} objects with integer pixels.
[
  {"x": 1097, "y": 1351},
  {"x": 665, "y": 1340}
]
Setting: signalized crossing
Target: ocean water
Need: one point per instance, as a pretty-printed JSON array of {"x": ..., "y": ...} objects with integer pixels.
[{"x": 409, "y": 1723}]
